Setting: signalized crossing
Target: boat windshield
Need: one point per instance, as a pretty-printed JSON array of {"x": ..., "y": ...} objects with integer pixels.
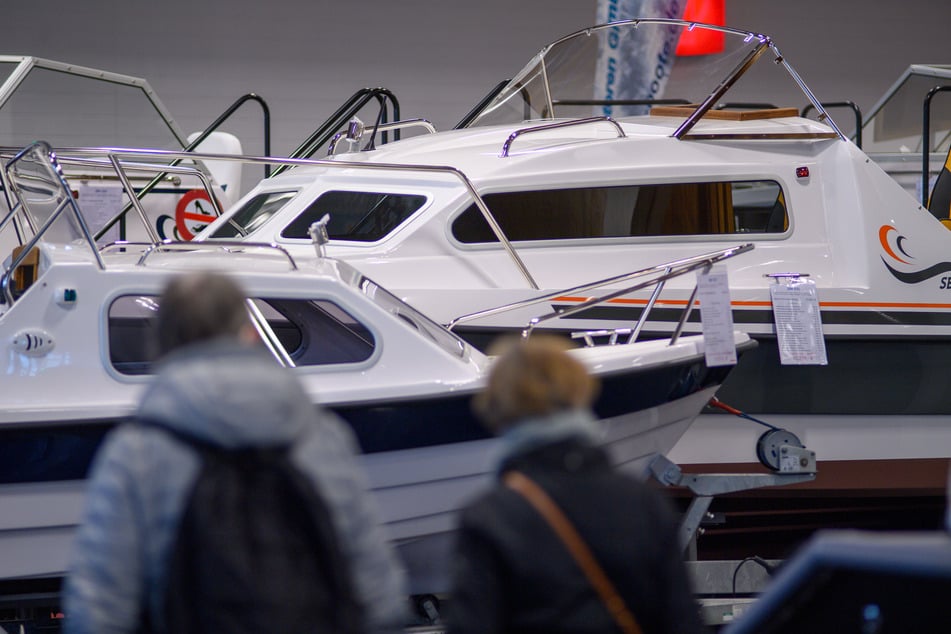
[
  {"x": 71, "y": 106},
  {"x": 6, "y": 69},
  {"x": 625, "y": 68}
]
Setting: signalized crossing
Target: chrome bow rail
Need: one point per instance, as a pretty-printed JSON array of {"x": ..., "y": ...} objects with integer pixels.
[
  {"x": 37, "y": 194},
  {"x": 35, "y": 179},
  {"x": 507, "y": 146},
  {"x": 121, "y": 159},
  {"x": 654, "y": 276}
]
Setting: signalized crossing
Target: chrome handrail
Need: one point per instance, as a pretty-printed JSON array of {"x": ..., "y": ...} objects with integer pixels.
[
  {"x": 383, "y": 127},
  {"x": 658, "y": 275},
  {"x": 118, "y": 245},
  {"x": 455, "y": 172},
  {"x": 41, "y": 151},
  {"x": 85, "y": 157},
  {"x": 559, "y": 124},
  {"x": 12, "y": 207},
  {"x": 671, "y": 270},
  {"x": 229, "y": 246}
]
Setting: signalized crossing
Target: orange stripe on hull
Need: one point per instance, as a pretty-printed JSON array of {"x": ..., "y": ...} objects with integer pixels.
[{"x": 761, "y": 304}]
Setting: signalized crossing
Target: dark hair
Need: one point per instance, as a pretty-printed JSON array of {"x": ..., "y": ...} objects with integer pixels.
[
  {"x": 533, "y": 377},
  {"x": 197, "y": 307}
]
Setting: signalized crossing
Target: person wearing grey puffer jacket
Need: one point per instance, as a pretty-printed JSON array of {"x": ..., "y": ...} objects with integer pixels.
[{"x": 231, "y": 394}]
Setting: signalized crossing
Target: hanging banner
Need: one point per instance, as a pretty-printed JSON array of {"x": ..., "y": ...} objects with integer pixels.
[{"x": 635, "y": 68}]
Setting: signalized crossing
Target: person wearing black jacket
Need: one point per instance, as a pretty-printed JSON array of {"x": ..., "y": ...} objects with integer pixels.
[{"x": 511, "y": 571}]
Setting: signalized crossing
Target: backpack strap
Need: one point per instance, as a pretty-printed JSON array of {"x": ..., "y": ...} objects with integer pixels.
[{"x": 576, "y": 546}]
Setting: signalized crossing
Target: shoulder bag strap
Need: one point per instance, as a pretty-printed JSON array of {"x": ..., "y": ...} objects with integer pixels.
[{"x": 536, "y": 496}]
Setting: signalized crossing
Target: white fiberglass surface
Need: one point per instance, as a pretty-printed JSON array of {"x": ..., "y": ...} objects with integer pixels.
[{"x": 414, "y": 319}]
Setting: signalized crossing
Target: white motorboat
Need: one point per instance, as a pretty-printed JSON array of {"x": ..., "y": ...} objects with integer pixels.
[
  {"x": 552, "y": 182},
  {"x": 76, "y": 318}
]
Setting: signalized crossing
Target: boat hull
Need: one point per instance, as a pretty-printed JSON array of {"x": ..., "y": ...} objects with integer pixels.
[
  {"x": 420, "y": 481},
  {"x": 420, "y": 512}
]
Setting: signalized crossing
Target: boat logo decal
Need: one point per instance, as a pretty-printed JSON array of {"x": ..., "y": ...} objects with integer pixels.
[{"x": 893, "y": 244}]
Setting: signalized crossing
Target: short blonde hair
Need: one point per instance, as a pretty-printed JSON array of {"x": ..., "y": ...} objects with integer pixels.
[{"x": 530, "y": 378}]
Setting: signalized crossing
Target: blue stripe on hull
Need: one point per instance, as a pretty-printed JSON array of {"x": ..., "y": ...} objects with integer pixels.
[
  {"x": 64, "y": 451},
  {"x": 450, "y": 420}
]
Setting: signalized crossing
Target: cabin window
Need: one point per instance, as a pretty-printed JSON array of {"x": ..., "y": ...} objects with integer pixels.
[
  {"x": 253, "y": 213},
  {"x": 317, "y": 331},
  {"x": 358, "y": 216},
  {"x": 670, "y": 209},
  {"x": 312, "y": 331}
]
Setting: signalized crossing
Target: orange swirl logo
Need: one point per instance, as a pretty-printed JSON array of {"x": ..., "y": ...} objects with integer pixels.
[
  {"x": 884, "y": 234},
  {"x": 893, "y": 244}
]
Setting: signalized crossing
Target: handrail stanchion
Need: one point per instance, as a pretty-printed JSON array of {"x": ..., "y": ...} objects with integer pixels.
[
  {"x": 635, "y": 333},
  {"x": 856, "y": 112},
  {"x": 686, "y": 312},
  {"x": 662, "y": 272},
  {"x": 41, "y": 149}
]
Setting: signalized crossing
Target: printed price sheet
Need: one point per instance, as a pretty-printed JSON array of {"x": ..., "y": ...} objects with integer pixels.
[
  {"x": 713, "y": 291},
  {"x": 798, "y": 323},
  {"x": 99, "y": 203}
]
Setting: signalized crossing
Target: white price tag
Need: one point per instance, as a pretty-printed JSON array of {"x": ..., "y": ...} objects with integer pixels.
[
  {"x": 100, "y": 203},
  {"x": 798, "y": 323},
  {"x": 713, "y": 291}
]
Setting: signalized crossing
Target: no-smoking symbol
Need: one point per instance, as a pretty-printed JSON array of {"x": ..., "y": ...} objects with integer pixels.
[{"x": 190, "y": 214}]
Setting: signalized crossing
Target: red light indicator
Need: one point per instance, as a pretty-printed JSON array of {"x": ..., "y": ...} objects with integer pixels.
[{"x": 802, "y": 172}]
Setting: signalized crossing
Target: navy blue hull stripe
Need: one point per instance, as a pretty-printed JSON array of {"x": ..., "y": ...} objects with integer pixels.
[{"x": 39, "y": 453}]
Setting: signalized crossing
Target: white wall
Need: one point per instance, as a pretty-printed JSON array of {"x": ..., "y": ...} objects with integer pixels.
[{"x": 439, "y": 56}]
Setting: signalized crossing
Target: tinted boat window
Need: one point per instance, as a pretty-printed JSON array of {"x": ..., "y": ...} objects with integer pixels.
[
  {"x": 313, "y": 332},
  {"x": 253, "y": 214},
  {"x": 672, "y": 209},
  {"x": 317, "y": 332},
  {"x": 360, "y": 216}
]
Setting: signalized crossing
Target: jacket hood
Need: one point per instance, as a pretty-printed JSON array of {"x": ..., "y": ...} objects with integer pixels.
[
  {"x": 532, "y": 433},
  {"x": 229, "y": 394}
]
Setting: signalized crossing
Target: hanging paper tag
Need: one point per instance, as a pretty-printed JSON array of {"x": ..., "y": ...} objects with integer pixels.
[
  {"x": 713, "y": 291},
  {"x": 99, "y": 204},
  {"x": 798, "y": 323}
]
